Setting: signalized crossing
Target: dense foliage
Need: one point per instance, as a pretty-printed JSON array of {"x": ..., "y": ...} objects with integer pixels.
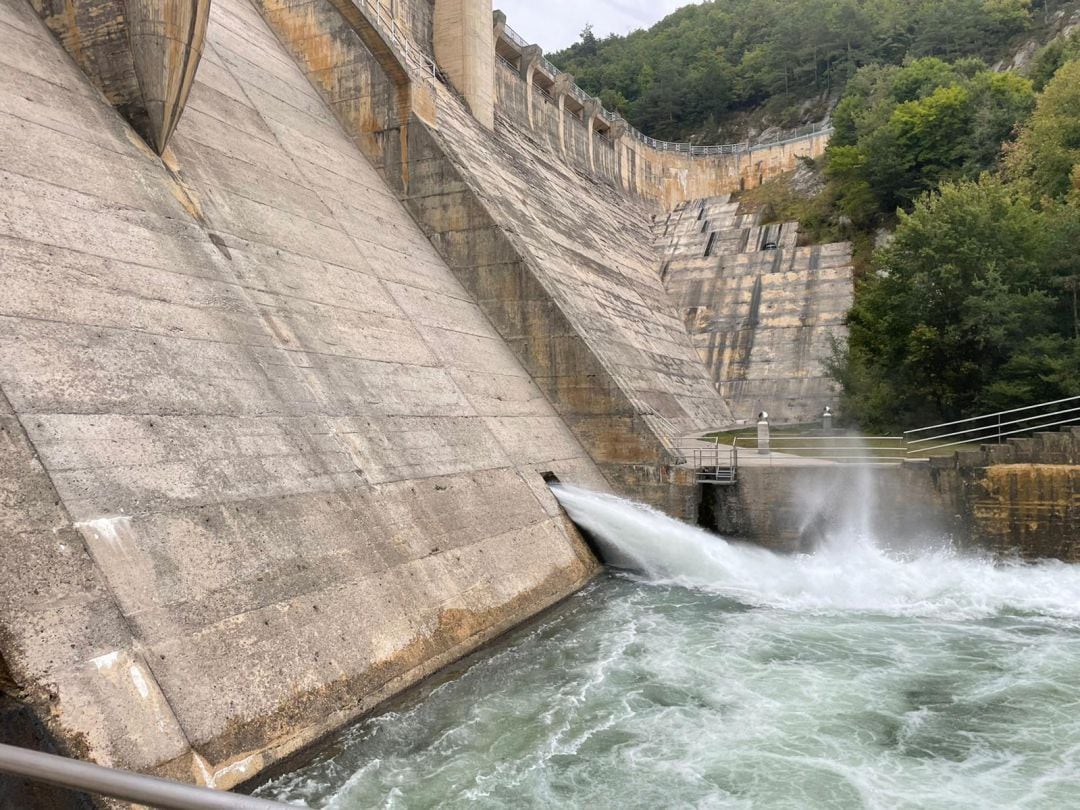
[
  {"x": 900, "y": 132},
  {"x": 968, "y": 312},
  {"x": 973, "y": 305},
  {"x": 699, "y": 65}
]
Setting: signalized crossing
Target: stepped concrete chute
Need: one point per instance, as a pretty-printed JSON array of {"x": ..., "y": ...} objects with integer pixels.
[
  {"x": 142, "y": 54},
  {"x": 762, "y": 310},
  {"x": 265, "y": 462}
]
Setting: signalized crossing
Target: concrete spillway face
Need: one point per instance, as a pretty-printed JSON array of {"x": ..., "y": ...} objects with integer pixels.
[{"x": 166, "y": 39}]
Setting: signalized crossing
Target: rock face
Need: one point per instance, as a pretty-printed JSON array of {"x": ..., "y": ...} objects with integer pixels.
[
  {"x": 263, "y": 460},
  {"x": 761, "y": 310}
]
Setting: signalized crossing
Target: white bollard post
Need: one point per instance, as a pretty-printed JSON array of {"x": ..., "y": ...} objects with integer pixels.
[
  {"x": 826, "y": 421},
  {"x": 763, "y": 433}
]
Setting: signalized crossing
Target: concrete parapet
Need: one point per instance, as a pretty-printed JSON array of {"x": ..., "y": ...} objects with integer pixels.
[
  {"x": 667, "y": 178},
  {"x": 793, "y": 508},
  {"x": 1026, "y": 510}
]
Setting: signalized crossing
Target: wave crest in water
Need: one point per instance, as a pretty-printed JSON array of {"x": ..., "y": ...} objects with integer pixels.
[{"x": 849, "y": 571}]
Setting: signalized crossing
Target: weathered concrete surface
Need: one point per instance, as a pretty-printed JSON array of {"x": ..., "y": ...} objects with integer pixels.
[
  {"x": 612, "y": 154},
  {"x": 1030, "y": 508},
  {"x": 142, "y": 54},
  {"x": 763, "y": 320},
  {"x": 264, "y": 460},
  {"x": 792, "y": 508},
  {"x": 1016, "y": 499},
  {"x": 465, "y": 49},
  {"x": 562, "y": 266}
]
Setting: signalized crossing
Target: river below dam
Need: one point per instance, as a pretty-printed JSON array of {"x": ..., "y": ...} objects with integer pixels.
[{"x": 720, "y": 675}]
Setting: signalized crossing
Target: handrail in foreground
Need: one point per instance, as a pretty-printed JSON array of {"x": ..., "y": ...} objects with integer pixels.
[{"x": 123, "y": 785}]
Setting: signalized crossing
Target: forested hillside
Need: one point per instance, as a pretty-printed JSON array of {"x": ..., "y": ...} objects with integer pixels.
[
  {"x": 692, "y": 74},
  {"x": 958, "y": 183},
  {"x": 972, "y": 305}
]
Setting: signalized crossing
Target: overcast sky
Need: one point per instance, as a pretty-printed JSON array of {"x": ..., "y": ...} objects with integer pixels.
[{"x": 554, "y": 24}]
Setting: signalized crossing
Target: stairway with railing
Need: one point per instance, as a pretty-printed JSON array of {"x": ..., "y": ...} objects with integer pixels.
[{"x": 417, "y": 62}]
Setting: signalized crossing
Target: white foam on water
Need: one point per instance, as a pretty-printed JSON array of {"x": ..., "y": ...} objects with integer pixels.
[
  {"x": 728, "y": 676},
  {"x": 849, "y": 571}
]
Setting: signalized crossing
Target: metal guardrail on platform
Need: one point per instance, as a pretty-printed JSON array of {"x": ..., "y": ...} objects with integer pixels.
[
  {"x": 713, "y": 463},
  {"x": 126, "y": 786},
  {"x": 771, "y": 447},
  {"x": 836, "y": 447},
  {"x": 993, "y": 427}
]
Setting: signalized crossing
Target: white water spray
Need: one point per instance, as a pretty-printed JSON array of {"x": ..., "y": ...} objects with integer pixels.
[{"x": 848, "y": 572}]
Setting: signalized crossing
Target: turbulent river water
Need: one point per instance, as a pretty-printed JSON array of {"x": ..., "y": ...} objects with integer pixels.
[{"x": 723, "y": 675}]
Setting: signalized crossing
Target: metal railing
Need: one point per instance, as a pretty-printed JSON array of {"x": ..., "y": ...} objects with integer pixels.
[
  {"x": 713, "y": 463},
  {"x": 514, "y": 37},
  {"x": 416, "y": 60},
  {"x": 850, "y": 448},
  {"x": 126, "y": 786},
  {"x": 993, "y": 427},
  {"x": 692, "y": 149}
]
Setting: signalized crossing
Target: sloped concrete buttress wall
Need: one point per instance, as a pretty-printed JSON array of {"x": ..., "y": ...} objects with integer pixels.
[
  {"x": 564, "y": 269},
  {"x": 265, "y": 461}
]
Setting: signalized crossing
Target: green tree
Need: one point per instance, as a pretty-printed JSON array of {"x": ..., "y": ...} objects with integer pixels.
[
  {"x": 967, "y": 311},
  {"x": 714, "y": 60},
  {"x": 1048, "y": 151},
  {"x": 902, "y": 131}
]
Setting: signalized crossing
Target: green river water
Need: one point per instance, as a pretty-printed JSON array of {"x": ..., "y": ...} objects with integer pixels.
[{"x": 725, "y": 676}]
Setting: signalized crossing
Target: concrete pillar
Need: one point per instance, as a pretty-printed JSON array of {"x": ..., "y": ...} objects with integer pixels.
[
  {"x": 464, "y": 48},
  {"x": 563, "y": 83},
  {"x": 826, "y": 421},
  {"x": 530, "y": 58},
  {"x": 593, "y": 108},
  {"x": 166, "y": 40},
  {"x": 617, "y": 133},
  {"x": 498, "y": 26}
]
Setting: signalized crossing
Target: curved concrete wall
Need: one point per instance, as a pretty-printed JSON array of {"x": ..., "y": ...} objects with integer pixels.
[
  {"x": 666, "y": 178},
  {"x": 263, "y": 460}
]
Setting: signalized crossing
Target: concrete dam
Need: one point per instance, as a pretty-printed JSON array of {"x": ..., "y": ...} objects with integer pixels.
[{"x": 300, "y": 300}]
